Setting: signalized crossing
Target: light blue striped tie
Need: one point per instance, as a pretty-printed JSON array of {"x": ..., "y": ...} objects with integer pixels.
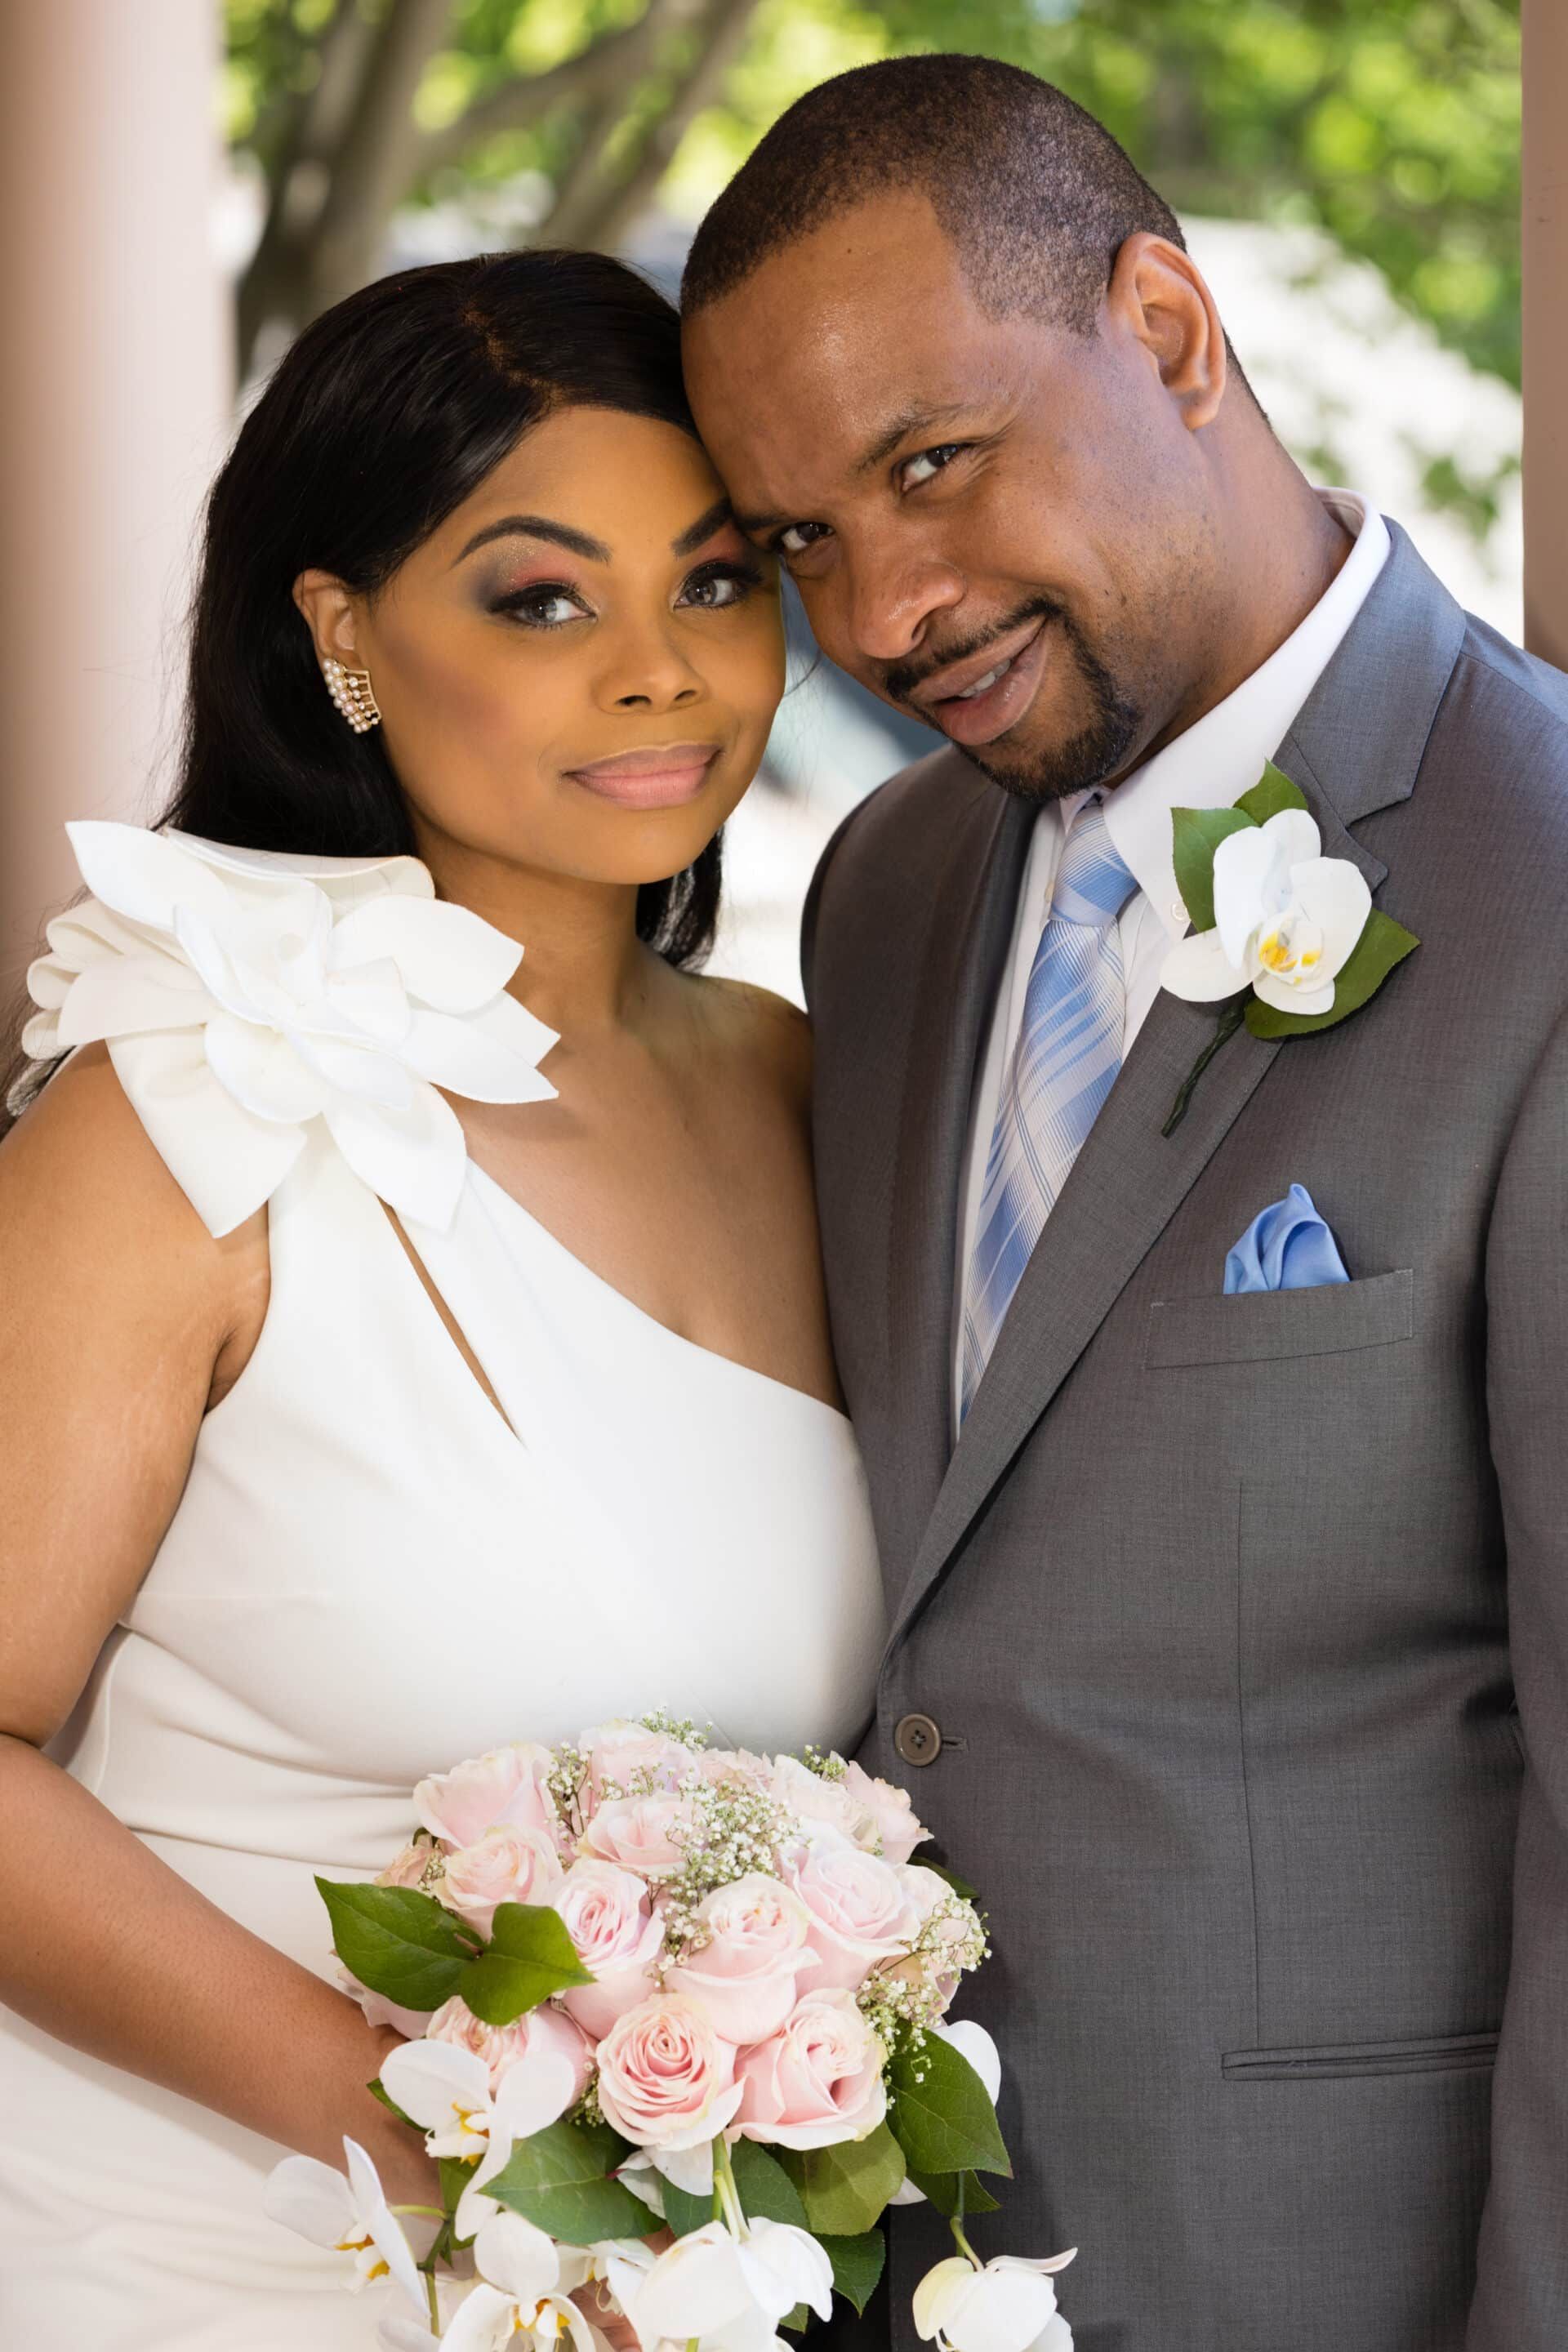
[{"x": 1064, "y": 1064}]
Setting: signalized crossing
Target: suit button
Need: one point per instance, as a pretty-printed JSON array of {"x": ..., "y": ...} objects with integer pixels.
[{"x": 918, "y": 1740}]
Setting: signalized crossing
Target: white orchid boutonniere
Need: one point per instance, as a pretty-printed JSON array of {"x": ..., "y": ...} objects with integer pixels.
[{"x": 1287, "y": 940}]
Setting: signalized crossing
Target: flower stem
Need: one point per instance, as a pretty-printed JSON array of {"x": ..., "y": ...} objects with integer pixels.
[
  {"x": 1229, "y": 1021},
  {"x": 435, "y": 2305},
  {"x": 727, "y": 2197},
  {"x": 962, "y": 2243},
  {"x": 436, "y": 2212}
]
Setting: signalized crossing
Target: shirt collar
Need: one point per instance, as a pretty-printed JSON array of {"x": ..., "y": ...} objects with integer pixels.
[{"x": 1225, "y": 752}]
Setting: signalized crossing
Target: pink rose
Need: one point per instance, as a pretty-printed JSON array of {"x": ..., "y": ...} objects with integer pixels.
[
  {"x": 631, "y": 1754},
  {"x": 718, "y": 1765},
  {"x": 861, "y": 1915},
  {"x": 818, "y": 2081},
  {"x": 408, "y": 1868},
  {"x": 892, "y": 1814},
  {"x": 635, "y": 1831},
  {"x": 508, "y": 1789},
  {"x": 665, "y": 2080},
  {"x": 505, "y": 1865},
  {"x": 812, "y": 1797},
  {"x": 502, "y": 2047},
  {"x": 745, "y": 1975},
  {"x": 611, "y": 1922}
]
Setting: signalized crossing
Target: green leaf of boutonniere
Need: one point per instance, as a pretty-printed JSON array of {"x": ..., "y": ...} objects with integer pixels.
[
  {"x": 1381, "y": 945},
  {"x": 1196, "y": 834},
  {"x": 1271, "y": 792}
]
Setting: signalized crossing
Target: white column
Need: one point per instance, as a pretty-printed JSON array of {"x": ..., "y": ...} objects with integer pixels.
[
  {"x": 114, "y": 399},
  {"x": 1546, "y": 329}
]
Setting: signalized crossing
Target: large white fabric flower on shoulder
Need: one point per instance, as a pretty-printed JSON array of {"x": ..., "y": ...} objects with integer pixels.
[
  {"x": 245, "y": 995},
  {"x": 1287, "y": 920}
]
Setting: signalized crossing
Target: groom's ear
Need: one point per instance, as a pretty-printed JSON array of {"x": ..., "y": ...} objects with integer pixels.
[{"x": 1158, "y": 297}]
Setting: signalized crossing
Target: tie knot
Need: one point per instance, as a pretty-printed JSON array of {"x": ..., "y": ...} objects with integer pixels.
[{"x": 1092, "y": 884}]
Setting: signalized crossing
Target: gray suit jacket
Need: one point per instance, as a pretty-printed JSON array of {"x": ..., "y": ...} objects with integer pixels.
[{"x": 1245, "y": 1621}]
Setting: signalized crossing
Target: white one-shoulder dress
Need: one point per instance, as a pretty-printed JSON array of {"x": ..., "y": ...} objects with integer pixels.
[{"x": 372, "y": 1573}]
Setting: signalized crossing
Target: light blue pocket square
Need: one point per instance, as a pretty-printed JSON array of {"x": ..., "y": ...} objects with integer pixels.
[{"x": 1286, "y": 1247}]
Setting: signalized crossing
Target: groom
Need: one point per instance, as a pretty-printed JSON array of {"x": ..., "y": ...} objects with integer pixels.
[{"x": 1229, "y": 1650}]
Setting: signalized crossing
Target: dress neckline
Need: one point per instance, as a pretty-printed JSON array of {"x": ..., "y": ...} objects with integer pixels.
[{"x": 509, "y": 1207}]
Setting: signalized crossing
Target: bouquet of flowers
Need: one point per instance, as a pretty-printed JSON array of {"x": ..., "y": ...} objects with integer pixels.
[{"x": 677, "y": 2036}]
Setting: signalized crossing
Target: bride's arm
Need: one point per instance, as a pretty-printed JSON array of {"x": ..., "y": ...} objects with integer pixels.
[{"x": 121, "y": 1321}]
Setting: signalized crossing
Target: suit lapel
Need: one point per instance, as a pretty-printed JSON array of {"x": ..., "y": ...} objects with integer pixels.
[
  {"x": 967, "y": 936},
  {"x": 1365, "y": 725}
]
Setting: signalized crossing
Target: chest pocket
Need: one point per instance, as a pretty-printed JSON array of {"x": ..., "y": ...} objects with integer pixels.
[{"x": 1259, "y": 1326}]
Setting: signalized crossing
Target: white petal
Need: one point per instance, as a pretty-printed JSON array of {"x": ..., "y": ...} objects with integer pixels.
[
  {"x": 144, "y": 876},
  {"x": 471, "y": 1058},
  {"x": 483, "y": 2323},
  {"x": 693, "y": 2288},
  {"x": 689, "y": 2169},
  {"x": 1247, "y": 867},
  {"x": 510, "y": 2252},
  {"x": 395, "y": 2334},
  {"x": 935, "y": 2295},
  {"x": 1198, "y": 969},
  {"x": 429, "y": 2080},
  {"x": 1333, "y": 894},
  {"x": 385, "y": 2230},
  {"x": 906, "y": 2193},
  {"x": 448, "y": 956},
  {"x": 374, "y": 999},
  {"x": 310, "y": 2199},
  {"x": 225, "y": 1161},
  {"x": 794, "y": 2264},
  {"x": 1294, "y": 834},
  {"x": 1000, "y": 2310},
  {"x": 415, "y": 1161},
  {"x": 1285, "y": 999},
  {"x": 128, "y": 995},
  {"x": 263, "y": 1073},
  {"x": 535, "y": 2092},
  {"x": 1048, "y": 2264},
  {"x": 353, "y": 1068},
  {"x": 973, "y": 2041}
]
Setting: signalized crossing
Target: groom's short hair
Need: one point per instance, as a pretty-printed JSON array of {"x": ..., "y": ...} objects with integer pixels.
[{"x": 1034, "y": 194}]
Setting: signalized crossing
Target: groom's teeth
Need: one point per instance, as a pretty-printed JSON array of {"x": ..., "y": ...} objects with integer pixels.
[{"x": 983, "y": 685}]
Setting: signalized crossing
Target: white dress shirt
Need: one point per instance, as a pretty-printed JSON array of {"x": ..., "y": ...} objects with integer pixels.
[{"x": 1210, "y": 766}]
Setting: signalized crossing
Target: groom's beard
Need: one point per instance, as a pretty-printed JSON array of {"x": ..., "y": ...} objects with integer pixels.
[{"x": 1098, "y": 750}]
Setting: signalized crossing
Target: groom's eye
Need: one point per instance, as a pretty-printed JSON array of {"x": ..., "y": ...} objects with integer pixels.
[
  {"x": 796, "y": 537},
  {"x": 928, "y": 464}
]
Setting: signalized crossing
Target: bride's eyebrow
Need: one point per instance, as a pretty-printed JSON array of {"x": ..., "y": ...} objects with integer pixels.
[
  {"x": 560, "y": 534},
  {"x": 703, "y": 529}
]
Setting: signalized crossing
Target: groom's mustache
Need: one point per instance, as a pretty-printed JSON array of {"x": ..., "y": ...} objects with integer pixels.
[{"x": 902, "y": 681}]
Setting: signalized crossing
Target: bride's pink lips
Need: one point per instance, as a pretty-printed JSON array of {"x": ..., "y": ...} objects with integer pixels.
[{"x": 663, "y": 775}]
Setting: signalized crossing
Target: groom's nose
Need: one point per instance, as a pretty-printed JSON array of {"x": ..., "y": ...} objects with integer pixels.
[{"x": 888, "y": 599}]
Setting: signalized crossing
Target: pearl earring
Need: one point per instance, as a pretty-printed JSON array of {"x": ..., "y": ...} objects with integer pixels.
[{"x": 351, "y": 690}]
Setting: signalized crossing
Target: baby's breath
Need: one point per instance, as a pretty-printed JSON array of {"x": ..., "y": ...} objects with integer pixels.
[
  {"x": 830, "y": 1767},
  {"x": 733, "y": 1830},
  {"x": 677, "y": 1728},
  {"x": 901, "y": 1998}
]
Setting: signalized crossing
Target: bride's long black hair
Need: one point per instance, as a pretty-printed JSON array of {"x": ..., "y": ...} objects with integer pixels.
[{"x": 385, "y": 415}]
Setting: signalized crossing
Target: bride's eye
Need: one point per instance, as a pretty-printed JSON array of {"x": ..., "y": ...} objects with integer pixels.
[
  {"x": 542, "y": 604},
  {"x": 928, "y": 464},
  {"x": 714, "y": 586}
]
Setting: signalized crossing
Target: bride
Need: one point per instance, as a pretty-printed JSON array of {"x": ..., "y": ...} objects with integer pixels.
[{"x": 404, "y": 1347}]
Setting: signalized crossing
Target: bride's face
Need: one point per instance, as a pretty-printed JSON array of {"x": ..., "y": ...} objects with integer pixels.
[{"x": 577, "y": 671}]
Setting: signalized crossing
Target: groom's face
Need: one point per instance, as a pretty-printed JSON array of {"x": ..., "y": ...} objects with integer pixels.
[{"x": 994, "y": 523}]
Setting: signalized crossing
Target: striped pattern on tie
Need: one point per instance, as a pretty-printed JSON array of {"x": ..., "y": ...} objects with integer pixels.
[{"x": 1063, "y": 1066}]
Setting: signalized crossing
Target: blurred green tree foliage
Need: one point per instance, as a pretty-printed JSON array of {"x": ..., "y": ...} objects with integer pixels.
[{"x": 1392, "y": 123}]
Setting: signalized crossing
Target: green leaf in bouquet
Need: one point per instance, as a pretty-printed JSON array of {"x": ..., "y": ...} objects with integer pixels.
[
  {"x": 397, "y": 1942},
  {"x": 856, "y": 2264},
  {"x": 1195, "y": 834},
  {"x": 953, "y": 2193},
  {"x": 531, "y": 1956},
  {"x": 456, "y": 2176},
  {"x": 766, "y": 2191},
  {"x": 1273, "y": 793},
  {"x": 844, "y": 2190},
  {"x": 942, "y": 2114},
  {"x": 559, "y": 2180},
  {"x": 798, "y": 2320},
  {"x": 378, "y": 2091},
  {"x": 684, "y": 2213}
]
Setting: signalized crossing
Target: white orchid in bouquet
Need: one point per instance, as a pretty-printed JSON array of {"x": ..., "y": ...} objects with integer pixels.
[{"x": 677, "y": 2021}]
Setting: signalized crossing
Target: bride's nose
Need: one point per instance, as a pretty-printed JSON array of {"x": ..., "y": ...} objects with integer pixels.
[{"x": 648, "y": 670}]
